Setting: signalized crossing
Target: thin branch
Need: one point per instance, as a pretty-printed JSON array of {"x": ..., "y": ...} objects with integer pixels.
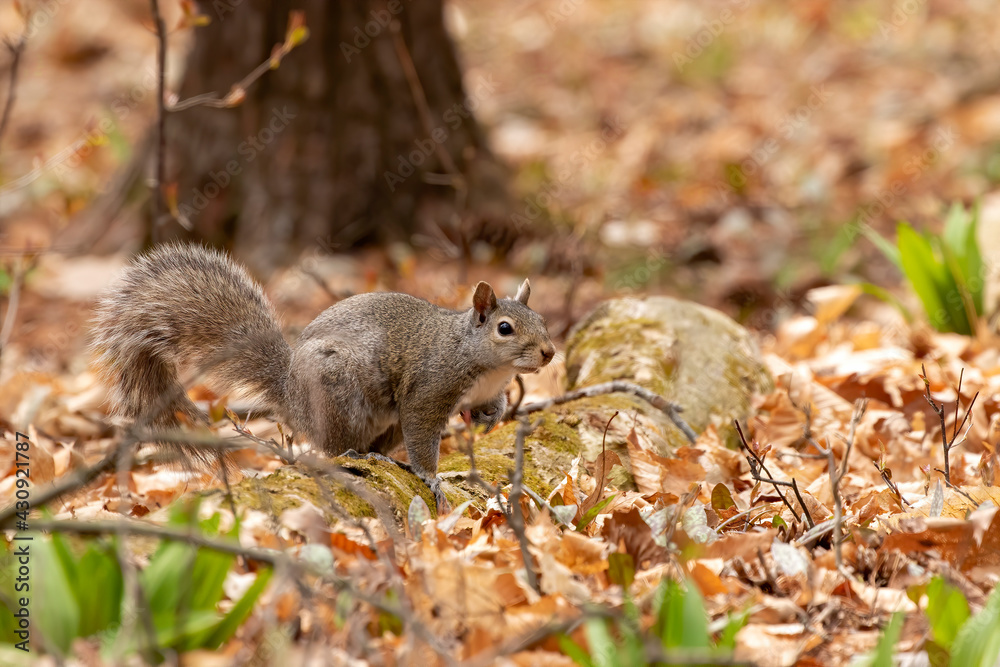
[
  {"x": 7, "y": 330},
  {"x": 885, "y": 473},
  {"x": 512, "y": 410},
  {"x": 69, "y": 483},
  {"x": 802, "y": 504},
  {"x": 837, "y": 474},
  {"x": 515, "y": 515},
  {"x": 956, "y": 488},
  {"x": 672, "y": 410},
  {"x": 132, "y": 586},
  {"x": 958, "y": 399},
  {"x": 946, "y": 444},
  {"x": 757, "y": 465},
  {"x": 160, "y": 149},
  {"x": 318, "y": 279},
  {"x": 838, "y": 507},
  {"x": 16, "y": 48},
  {"x": 423, "y": 109},
  {"x": 237, "y": 93}
]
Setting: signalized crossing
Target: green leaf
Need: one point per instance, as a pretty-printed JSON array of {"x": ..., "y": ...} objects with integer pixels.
[
  {"x": 727, "y": 638},
  {"x": 592, "y": 513},
  {"x": 681, "y": 617},
  {"x": 946, "y": 611},
  {"x": 931, "y": 280},
  {"x": 99, "y": 593},
  {"x": 887, "y": 642},
  {"x": 632, "y": 650},
  {"x": 887, "y": 296},
  {"x": 602, "y": 647},
  {"x": 621, "y": 569},
  {"x": 575, "y": 652},
  {"x": 209, "y": 571},
  {"x": 957, "y": 225},
  {"x": 55, "y": 612},
  {"x": 234, "y": 619},
  {"x": 977, "y": 643},
  {"x": 975, "y": 269},
  {"x": 179, "y": 633},
  {"x": 961, "y": 249},
  {"x": 165, "y": 579},
  {"x": 722, "y": 499},
  {"x": 890, "y": 251}
]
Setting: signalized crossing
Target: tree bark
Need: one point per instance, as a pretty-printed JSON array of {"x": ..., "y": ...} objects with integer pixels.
[{"x": 335, "y": 147}]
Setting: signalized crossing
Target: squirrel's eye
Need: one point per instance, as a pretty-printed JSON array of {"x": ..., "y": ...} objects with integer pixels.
[{"x": 505, "y": 329}]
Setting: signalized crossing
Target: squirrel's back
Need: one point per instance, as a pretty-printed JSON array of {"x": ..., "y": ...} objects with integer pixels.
[{"x": 186, "y": 309}]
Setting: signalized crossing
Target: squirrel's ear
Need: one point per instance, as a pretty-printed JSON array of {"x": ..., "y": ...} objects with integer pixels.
[
  {"x": 484, "y": 300},
  {"x": 523, "y": 292}
]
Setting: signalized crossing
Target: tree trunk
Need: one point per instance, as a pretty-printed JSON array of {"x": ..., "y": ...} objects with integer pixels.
[{"x": 335, "y": 147}]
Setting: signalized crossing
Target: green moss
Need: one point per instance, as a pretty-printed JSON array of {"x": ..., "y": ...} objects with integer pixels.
[
  {"x": 288, "y": 488},
  {"x": 390, "y": 480},
  {"x": 610, "y": 350},
  {"x": 553, "y": 433},
  {"x": 548, "y": 452},
  {"x": 285, "y": 488}
]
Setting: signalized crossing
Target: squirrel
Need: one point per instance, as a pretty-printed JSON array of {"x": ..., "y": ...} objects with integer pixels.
[{"x": 369, "y": 373}]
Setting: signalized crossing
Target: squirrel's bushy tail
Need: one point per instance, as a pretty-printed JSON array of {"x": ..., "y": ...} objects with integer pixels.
[{"x": 184, "y": 312}]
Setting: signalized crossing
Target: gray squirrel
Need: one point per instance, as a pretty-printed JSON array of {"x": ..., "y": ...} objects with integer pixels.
[{"x": 369, "y": 373}]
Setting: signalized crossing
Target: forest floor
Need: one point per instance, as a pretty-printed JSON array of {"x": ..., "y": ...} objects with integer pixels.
[{"x": 680, "y": 154}]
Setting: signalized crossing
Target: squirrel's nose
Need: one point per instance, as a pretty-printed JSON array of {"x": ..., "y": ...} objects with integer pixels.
[{"x": 548, "y": 352}]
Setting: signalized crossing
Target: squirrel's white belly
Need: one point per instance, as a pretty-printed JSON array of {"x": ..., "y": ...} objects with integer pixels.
[{"x": 486, "y": 387}]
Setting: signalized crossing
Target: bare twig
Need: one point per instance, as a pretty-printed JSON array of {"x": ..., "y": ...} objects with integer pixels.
[
  {"x": 237, "y": 93},
  {"x": 886, "y": 477},
  {"x": 7, "y": 330},
  {"x": 802, "y": 503},
  {"x": 837, "y": 474},
  {"x": 457, "y": 180},
  {"x": 69, "y": 483},
  {"x": 318, "y": 279},
  {"x": 948, "y": 444},
  {"x": 16, "y": 48},
  {"x": 516, "y": 405},
  {"x": 160, "y": 146},
  {"x": 838, "y": 507},
  {"x": 515, "y": 516},
  {"x": 757, "y": 465},
  {"x": 617, "y": 386},
  {"x": 956, "y": 488}
]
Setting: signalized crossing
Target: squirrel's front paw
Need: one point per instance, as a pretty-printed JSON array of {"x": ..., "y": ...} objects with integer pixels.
[{"x": 443, "y": 506}]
